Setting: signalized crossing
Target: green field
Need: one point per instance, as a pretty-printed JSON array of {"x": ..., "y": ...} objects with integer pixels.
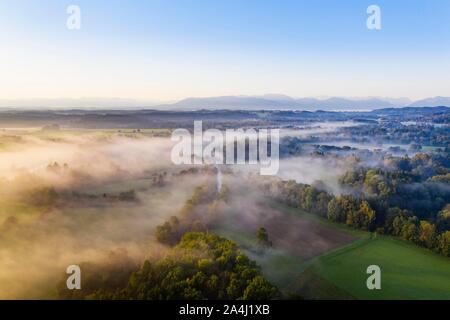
[{"x": 407, "y": 271}]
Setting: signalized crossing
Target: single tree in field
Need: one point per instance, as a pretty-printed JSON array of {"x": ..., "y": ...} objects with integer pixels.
[
  {"x": 263, "y": 237},
  {"x": 427, "y": 234}
]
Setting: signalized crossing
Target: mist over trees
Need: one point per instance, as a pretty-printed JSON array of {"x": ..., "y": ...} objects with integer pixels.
[
  {"x": 201, "y": 266},
  {"x": 401, "y": 201},
  {"x": 74, "y": 196}
]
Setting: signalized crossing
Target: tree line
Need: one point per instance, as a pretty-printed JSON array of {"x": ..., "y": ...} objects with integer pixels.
[{"x": 369, "y": 214}]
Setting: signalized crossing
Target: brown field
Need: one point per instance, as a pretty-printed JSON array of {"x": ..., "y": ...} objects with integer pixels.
[
  {"x": 303, "y": 237},
  {"x": 300, "y": 236}
]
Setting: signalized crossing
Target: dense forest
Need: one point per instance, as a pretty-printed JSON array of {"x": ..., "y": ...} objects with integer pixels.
[
  {"x": 201, "y": 266},
  {"x": 408, "y": 198}
]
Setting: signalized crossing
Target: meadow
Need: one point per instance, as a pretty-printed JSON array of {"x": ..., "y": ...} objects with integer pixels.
[{"x": 407, "y": 271}]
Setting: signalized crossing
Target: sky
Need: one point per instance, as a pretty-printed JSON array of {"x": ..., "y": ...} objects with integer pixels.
[{"x": 166, "y": 50}]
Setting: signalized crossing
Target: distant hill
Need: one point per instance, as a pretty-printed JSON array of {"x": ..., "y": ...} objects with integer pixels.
[
  {"x": 411, "y": 110},
  {"x": 250, "y": 103},
  {"x": 278, "y": 102},
  {"x": 283, "y": 102},
  {"x": 432, "y": 102}
]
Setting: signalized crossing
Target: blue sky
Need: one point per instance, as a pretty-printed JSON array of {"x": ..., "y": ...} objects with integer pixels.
[{"x": 171, "y": 49}]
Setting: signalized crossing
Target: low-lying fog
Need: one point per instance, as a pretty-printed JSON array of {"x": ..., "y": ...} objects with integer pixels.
[
  {"x": 37, "y": 242},
  {"x": 316, "y": 128}
]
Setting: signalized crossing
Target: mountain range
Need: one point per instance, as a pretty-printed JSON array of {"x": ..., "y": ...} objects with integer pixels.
[
  {"x": 262, "y": 102},
  {"x": 277, "y": 101}
]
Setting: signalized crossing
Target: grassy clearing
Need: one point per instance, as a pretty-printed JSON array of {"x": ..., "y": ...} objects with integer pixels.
[
  {"x": 309, "y": 285},
  {"x": 408, "y": 271}
]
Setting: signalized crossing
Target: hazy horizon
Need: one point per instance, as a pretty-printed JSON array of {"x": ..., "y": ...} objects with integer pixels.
[
  {"x": 128, "y": 103},
  {"x": 167, "y": 51}
]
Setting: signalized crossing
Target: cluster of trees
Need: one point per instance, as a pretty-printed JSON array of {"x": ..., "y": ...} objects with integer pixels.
[
  {"x": 443, "y": 219},
  {"x": 351, "y": 211},
  {"x": 421, "y": 232},
  {"x": 204, "y": 266},
  {"x": 417, "y": 184},
  {"x": 201, "y": 266},
  {"x": 422, "y": 166},
  {"x": 374, "y": 182},
  {"x": 41, "y": 196},
  {"x": 367, "y": 213},
  {"x": 197, "y": 213},
  {"x": 170, "y": 231},
  {"x": 47, "y": 196},
  {"x": 299, "y": 195},
  {"x": 201, "y": 195},
  {"x": 192, "y": 217},
  {"x": 419, "y": 168},
  {"x": 346, "y": 208},
  {"x": 56, "y": 167},
  {"x": 395, "y": 132}
]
